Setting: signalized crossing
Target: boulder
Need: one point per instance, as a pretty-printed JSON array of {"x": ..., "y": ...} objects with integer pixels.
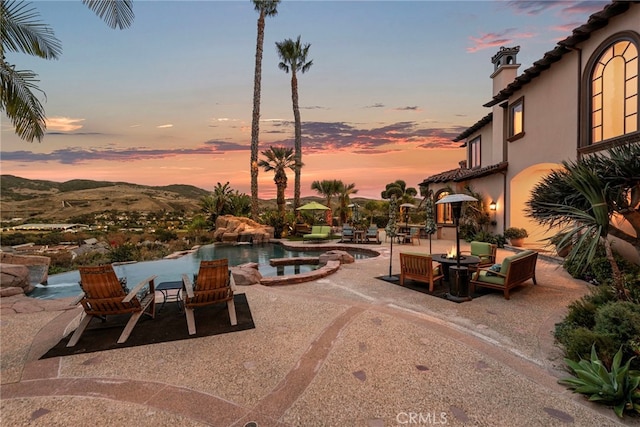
[
  {"x": 336, "y": 255},
  {"x": 244, "y": 229},
  {"x": 11, "y": 291},
  {"x": 246, "y": 274},
  {"x": 38, "y": 265},
  {"x": 230, "y": 237},
  {"x": 12, "y": 275}
]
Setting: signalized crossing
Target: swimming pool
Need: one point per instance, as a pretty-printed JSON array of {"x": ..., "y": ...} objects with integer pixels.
[{"x": 66, "y": 284}]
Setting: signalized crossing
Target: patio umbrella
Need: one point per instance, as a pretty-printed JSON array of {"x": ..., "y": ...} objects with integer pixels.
[{"x": 313, "y": 206}]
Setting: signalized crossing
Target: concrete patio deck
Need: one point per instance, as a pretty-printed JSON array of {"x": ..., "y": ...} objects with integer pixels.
[{"x": 344, "y": 350}]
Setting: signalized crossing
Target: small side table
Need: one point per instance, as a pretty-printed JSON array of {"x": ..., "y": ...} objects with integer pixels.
[
  {"x": 165, "y": 287},
  {"x": 358, "y": 236}
]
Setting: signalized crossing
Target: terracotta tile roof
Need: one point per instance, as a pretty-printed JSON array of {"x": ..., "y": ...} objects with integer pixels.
[
  {"x": 459, "y": 174},
  {"x": 478, "y": 125},
  {"x": 596, "y": 21}
]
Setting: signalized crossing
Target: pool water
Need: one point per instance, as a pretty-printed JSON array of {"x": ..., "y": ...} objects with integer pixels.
[{"x": 168, "y": 270}]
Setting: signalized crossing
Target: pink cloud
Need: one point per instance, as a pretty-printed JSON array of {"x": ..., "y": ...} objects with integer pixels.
[{"x": 490, "y": 40}]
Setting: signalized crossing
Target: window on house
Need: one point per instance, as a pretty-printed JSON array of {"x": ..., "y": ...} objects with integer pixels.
[
  {"x": 474, "y": 153},
  {"x": 516, "y": 120},
  {"x": 443, "y": 211},
  {"x": 614, "y": 92}
]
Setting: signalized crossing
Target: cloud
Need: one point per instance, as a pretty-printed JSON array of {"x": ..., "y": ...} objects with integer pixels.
[
  {"x": 376, "y": 105},
  {"x": 412, "y": 108},
  {"x": 582, "y": 7},
  {"x": 224, "y": 146},
  {"x": 72, "y": 156},
  {"x": 63, "y": 124},
  {"x": 165, "y": 126},
  {"x": 318, "y": 137},
  {"x": 314, "y": 107},
  {"x": 490, "y": 40},
  {"x": 531, "y": 7}
]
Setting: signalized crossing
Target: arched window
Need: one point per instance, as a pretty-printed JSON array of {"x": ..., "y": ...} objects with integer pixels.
[
  {"x": 613, "y": 91},
  {"x": 443, "y": 211}
]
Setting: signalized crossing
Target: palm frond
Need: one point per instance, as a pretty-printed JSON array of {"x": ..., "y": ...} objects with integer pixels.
[
  {"x": 22, "y": 31},
  {"x": 116, "y": 13},
  {"x": 20, "y": 104}
]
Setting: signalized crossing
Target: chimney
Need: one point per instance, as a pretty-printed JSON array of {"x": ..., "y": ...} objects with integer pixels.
[{"x": 505, "y": 67}]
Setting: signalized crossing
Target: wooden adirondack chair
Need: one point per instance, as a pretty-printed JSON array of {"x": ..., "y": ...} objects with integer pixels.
[
  {"x": 212, "y": 286},
  {"x": 104, "y": 294}
]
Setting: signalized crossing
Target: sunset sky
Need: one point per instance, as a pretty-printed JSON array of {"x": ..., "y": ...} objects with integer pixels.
[{"x": 169, "y": 100}]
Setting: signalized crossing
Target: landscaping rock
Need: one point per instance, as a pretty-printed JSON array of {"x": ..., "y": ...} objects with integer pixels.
[
  {"x": 11, "y": 291},
  {"x": 12, "y": 275},
  {"x": 336, "y": 255},
  {"x": 246, "y": 274}
]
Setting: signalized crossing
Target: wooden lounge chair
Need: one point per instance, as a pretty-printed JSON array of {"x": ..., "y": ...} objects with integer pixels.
[
  {"x": 514, "y": 271},
  {"x": 212, "y": 286},
  {"x": 104, "y": 294},
  {"x": 421, "y": 268},
  {"x": 372, "y": 234}
]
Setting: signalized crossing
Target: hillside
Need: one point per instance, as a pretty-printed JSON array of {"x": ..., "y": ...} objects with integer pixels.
[
  {"x": 49, "y": 201},
  {"x": 55, "y": 201}
]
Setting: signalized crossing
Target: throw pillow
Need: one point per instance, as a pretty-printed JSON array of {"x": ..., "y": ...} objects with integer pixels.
[{"x": 494, "y": 268}]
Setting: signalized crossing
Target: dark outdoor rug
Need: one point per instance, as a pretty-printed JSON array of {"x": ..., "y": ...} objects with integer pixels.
[
  {"x": 440, "y": 290},
  {"x": 169, "y": 325}
]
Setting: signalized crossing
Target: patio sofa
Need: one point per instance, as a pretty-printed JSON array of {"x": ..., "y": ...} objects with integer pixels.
[
  {"x": 514, "y": 271},
  {"x": 318, "y": 233}
]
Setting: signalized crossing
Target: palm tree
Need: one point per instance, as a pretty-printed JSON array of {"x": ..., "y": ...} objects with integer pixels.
[
  {"x": 278, "y": 159},
  {"x": 293, "y": 57},
  {"x": 581, "y": 199},
  {"x": 343, "y": 195},
  {"x": 22, "y": 31},
  {"x": 265, "y": 8},
  {"x": 327, "y": 188}
]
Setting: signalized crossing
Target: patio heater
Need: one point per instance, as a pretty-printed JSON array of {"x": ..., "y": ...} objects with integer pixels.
[{"x": 458, "y": 276}]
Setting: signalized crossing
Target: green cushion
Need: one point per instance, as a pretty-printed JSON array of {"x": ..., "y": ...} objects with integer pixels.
[
  {"x": 490, "y": 279},
  {"x": 480, "y": 249},
  {"x": 507, "y": 261}
]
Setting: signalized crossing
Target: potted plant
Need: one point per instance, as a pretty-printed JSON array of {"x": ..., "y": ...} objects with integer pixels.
[{"x": 516, "y": 235}]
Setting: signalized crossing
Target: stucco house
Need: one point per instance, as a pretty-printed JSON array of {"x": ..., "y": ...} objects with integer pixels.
[{"x": 579, "y": 98}]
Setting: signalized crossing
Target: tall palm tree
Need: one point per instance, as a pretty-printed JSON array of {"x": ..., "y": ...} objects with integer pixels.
[
  {"x": 293, "y": 57},
  {"x": 344, "y": 193},
  {"x": 278, "y": 159},
  {"x": 265, "y": 8},
  {"x": 22, "y": 31},
  {"x": 582, "y": 197},
  {"x": 327, "y": 188}
]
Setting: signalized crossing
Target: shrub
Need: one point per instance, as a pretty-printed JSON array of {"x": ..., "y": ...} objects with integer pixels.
[
  {"x": 485, "y": 236},
  {"x": 620, "y": 320},
  {"x": 515, "y": 233}
]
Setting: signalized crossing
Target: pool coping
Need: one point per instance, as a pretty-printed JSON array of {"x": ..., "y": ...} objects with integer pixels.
[{"x": 329, "y": 268}]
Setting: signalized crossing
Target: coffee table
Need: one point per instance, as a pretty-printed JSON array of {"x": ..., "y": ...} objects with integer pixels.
[{"x": 176, "y": 296}]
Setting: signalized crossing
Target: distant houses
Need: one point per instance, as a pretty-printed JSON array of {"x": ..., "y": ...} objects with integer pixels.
[{"x": 581, "y": 97}]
